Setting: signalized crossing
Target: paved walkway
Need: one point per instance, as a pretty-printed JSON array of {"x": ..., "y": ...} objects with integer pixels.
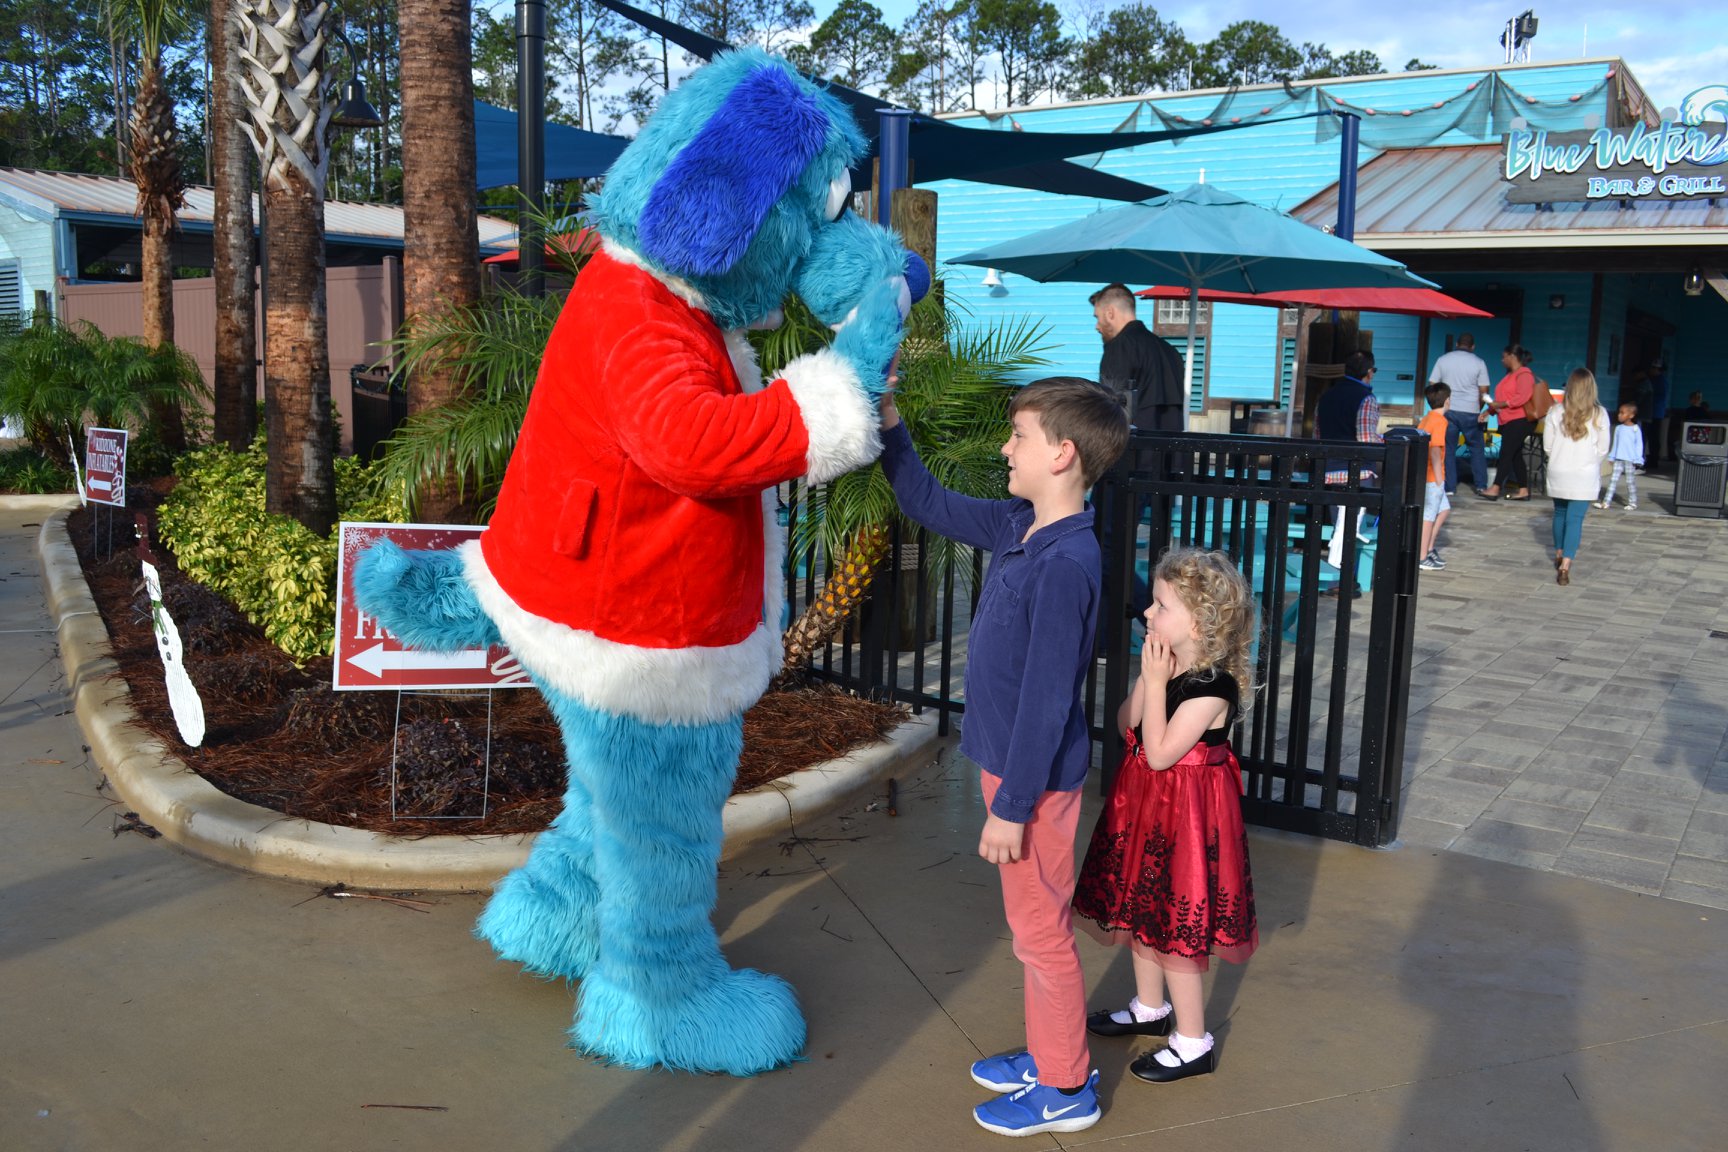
[
  {"x": 1421, "y": 1000},
  {"x": 1577, "y": 729}
]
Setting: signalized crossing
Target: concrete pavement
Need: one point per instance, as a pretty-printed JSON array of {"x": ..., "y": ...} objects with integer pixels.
[{"x": 1416, "y": 999}]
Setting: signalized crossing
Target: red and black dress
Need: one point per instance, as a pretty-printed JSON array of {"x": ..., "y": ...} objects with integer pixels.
[{"x": 1168, "y": 862}]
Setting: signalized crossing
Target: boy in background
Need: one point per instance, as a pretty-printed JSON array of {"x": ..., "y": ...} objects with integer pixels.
[
  {"x": 1435, "y": 503},
  {"x": 1026, "y": 728}
]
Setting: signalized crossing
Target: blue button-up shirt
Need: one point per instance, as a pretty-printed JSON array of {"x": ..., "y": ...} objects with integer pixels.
[{"x": 1032, "y": 632}]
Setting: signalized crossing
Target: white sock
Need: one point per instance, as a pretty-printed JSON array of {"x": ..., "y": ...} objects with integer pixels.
[
  {"x": 1184, "y": 1050},
  {"x": 1138, "y": 1013}
]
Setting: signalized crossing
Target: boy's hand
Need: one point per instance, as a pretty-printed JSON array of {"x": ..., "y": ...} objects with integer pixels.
[
  {"x": 1002, "y": 840},
  {"x": 890, "y": 413}
]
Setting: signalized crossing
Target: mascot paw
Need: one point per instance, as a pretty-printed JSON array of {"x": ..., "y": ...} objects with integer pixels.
[
  {"x": 543, "y": 921},
  {"x": 742, "y": 1023},
  {"x": 422, "y": 598}
]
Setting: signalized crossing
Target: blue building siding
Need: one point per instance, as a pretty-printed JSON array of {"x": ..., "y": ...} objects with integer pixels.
[{"x": 1278, "y": 164}]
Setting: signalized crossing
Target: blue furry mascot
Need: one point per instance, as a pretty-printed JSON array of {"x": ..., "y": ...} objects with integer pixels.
[{"x": 633, "y": 564}]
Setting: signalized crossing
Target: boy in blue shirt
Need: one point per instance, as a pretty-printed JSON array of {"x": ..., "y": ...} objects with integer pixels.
[{"x": 1029, "y": 651}]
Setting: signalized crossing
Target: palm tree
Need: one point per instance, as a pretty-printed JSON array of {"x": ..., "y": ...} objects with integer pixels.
[
  {"x": 236, "y": 371},
  {"x": 953, "y": 395},
  {"x": 284, "y": 84},
  {"x": 155, "y": 163},
  {"x": 441, "y": 260}
]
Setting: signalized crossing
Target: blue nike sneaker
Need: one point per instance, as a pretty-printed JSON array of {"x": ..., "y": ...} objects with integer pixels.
[
  {"x": 1008, "y": 1073},
  {"x": 1041, "y": 1108}
]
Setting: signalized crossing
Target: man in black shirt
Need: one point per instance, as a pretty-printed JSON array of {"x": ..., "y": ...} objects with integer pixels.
[{"x": 1137, "y": 363}]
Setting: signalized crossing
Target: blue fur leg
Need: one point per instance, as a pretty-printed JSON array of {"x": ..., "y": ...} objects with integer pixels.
[
  {"x": 660, "y": 992},
  {"x": 422, "y": 598},
  {"x": 543, "y": 914}
]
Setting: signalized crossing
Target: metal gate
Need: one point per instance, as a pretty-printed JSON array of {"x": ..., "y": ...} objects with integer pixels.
[{"x": 1322, "y": 740}]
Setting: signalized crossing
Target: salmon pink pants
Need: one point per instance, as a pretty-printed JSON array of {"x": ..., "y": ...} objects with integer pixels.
[{"x": 1036, "y": 891}]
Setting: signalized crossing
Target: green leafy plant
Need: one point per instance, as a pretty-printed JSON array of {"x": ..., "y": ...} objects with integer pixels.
[
  {"x": 26, "y": 469},
  {"x": 274, "y": 569},
  {"x": 57, "y": 378}
]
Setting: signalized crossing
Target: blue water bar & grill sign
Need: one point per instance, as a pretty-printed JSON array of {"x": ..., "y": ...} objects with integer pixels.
[{"x": 1669, "y": 162}]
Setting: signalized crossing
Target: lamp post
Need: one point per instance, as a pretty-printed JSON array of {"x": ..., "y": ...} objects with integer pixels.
[{"x": 530, "y": 144}]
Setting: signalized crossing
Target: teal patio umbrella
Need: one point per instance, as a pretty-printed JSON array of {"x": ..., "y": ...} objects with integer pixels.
[{"x": 1201, "y": 237}]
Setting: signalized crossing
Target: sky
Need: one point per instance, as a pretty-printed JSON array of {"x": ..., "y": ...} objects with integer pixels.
[{"x": 1671, "y": 49}]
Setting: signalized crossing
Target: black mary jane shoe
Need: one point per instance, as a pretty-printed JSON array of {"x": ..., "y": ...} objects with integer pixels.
[
  {"x": 1100, "y": 1024},
  {"x": 1148, "y": 1068}
]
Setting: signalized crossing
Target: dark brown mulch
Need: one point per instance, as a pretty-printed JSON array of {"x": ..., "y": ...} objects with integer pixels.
[{"x": 280, "y": 737}]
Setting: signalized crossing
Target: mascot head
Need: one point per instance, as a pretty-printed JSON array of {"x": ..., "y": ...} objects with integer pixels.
[{"x": 731, "y": 182}]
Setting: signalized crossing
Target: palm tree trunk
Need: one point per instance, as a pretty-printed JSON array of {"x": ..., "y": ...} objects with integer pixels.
[
  {"x": 441, "y": 257},
  {"x": 156, "y": 171},
  {"x": 841, "y": 594},
  {"x": 236, "y": 374},
  {"x": 300, "y": 475},
  {"x": 282, "y": 80}
]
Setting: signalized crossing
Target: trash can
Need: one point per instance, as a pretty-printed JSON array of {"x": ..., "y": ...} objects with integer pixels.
[
  {"x": 1701, "y": 485},
  {"x": 1242, "y": 414},
  {"x": 379, "y": 408}
]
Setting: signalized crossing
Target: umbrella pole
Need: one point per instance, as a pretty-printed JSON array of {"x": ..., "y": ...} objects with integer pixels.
[{"x": 1188, "y": 358}]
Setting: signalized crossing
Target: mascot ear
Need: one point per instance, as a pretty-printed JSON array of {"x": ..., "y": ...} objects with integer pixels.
[{"x": 712, "y": 199}]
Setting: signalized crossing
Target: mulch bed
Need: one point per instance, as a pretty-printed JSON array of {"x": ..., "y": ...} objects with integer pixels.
[{"x": 280, "y": 737}]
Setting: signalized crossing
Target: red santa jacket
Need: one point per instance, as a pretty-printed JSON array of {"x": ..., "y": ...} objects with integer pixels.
[{"x": 628, "y": 562}]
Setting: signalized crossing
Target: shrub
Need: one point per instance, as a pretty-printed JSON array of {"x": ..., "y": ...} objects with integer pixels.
[
  {"x": 273, "y": 568},
  {"x": 24, "y": 469},
  {"x": 57, "y": 377}
]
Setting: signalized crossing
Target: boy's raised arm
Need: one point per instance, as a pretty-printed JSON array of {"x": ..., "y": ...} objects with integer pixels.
[{"x": 968, "y": 519}]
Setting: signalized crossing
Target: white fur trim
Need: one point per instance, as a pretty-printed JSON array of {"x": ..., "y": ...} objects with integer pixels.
[
  {"x": 845, "y": 431},
  {"x": 682, "y": 289},
  {"x": 743, "y": 354},
  {"x": 657, "y": 685}
]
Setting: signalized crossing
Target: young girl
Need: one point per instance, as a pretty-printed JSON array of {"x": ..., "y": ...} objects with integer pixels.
[
  {"x": 1626, "y": 450},
  {"x": 1167, "y": 869}
]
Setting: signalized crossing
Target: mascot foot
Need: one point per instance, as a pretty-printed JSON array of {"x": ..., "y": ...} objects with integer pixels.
[
  {"x": 548, "y": 928},
  {"x": 742, "y": 1023}
]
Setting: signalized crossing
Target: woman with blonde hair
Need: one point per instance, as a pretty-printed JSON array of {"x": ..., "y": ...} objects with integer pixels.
[{"x": 1576, "y": 432}]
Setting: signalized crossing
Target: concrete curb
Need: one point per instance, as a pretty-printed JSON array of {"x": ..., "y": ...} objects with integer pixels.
[{"x": 194, "y": 815}]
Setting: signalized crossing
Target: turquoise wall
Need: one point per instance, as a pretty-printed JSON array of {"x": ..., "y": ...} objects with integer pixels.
[{"x": 1279, "y": 164}]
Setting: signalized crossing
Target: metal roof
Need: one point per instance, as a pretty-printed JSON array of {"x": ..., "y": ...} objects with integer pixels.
[
  {"x": 1433, "y": 198},
  {"x": 70, "y": 193}
]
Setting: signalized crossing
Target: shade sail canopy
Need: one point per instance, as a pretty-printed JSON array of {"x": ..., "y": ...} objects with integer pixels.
[
  {"x": 571, "y": 153},
  {"x": 944, "y": 151},
  {"x": 1400, "y": 301},
  {"x": 1202, "y": 237}
]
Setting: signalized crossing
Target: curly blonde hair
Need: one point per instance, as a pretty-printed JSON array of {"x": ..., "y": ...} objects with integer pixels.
[{"x": 1225, "y": 622}]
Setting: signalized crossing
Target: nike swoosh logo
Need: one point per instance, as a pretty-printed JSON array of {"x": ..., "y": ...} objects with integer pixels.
[{"x": 1051, "y": 1114}]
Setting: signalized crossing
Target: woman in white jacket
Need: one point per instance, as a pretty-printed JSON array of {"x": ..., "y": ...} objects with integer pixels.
[{"x": 1576, "y": 433}]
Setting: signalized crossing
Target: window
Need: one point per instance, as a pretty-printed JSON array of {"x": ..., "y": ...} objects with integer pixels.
[
  {"x": 11, "y": 293},
  {"x": 1174, "y": 312}
]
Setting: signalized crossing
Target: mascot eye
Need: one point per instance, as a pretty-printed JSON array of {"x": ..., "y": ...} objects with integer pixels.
[{"x": 839, "y": 192}]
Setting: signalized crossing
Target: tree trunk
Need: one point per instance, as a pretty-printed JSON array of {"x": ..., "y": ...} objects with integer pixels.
[
  {"x": 156, "y": 172},
  {"x": 300, "y": 477},
  {"x": 441, "y": 256},
  {"x": 236, "y": 374}
]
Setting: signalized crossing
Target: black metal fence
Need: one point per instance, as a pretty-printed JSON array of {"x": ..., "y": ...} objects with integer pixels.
[{"x": 1322, "y": 741}]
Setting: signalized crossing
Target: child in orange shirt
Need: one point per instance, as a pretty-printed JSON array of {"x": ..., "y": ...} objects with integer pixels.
[{"x": 1435, "y": 503}]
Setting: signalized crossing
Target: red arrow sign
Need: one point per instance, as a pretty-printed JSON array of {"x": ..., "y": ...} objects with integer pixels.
[{"x": 368, "y": 657}]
